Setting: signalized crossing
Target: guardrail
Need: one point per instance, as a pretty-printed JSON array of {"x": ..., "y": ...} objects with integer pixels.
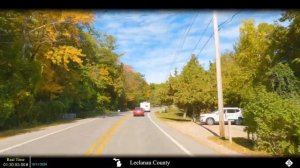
[{"x": 69, "y": 116}]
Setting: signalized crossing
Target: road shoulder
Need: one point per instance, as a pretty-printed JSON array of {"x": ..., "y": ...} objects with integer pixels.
[{"x": 199, "y": 134}]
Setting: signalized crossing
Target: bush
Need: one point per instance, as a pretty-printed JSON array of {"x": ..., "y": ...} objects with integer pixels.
[
  {"x": 49, "y": 110},
  {"x": 6, "y": 109},
  {"x": 23, "y": 103},
  {"x": 283, "y": 81},
  {"x": 275, "y": 121}
]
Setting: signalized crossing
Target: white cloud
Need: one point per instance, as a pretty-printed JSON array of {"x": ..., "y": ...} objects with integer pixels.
[
  {"x": 150, "y": 39},
  {"x": 113, "y": 25},
  {"x": 226, "y": 46},
  {"x": 230, "y": 32}
]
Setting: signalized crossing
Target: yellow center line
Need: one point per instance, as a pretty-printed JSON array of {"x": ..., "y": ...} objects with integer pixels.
[
  {"x": 106, "y": 136},
  {"x": 97, "y": 142},
  {"x": 109, "y": 136}
]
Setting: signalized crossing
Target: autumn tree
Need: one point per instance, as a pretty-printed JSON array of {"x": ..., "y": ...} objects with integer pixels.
[
  {"x": 286, "y": 41},
  {"x": 55, "y": 62},
  {"x": 136, "y": 88}
]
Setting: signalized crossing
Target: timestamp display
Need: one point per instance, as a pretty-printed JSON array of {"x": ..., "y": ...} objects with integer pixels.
[{"x": 15, "y": 164}]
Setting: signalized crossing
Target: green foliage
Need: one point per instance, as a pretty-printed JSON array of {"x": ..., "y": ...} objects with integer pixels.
[
  {"x": 54, "y": 68},
  {"x": 252, "y": 51},
  {"x": 49, "y": 68},
  {"x": 167, "y": 91},
  {"x": 193, "y": 88},
  {"x": 283, "y": 81},
  {"x": 155, "y": 98},
  {"x": 136, "y": 89},
  {"x": 235, "y": 80},
  {"x": 261, "y": 75},
  {"x": 48, "y": 111},
  {"x": 6, "y": 110},
  {"x": 275, "y": 121},
  {"x": 286, "y": 41},
  {"x": 190, "y": 90}
]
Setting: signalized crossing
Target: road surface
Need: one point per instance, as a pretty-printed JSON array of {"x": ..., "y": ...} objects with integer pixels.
[{"x": 120, "y": 134}]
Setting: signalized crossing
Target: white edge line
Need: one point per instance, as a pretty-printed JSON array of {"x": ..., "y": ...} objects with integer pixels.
[
  {"x": 35, "y": 139},
  {"x": 171, "y": 138}
]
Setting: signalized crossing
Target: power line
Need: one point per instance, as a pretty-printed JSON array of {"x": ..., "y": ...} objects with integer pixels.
[
  {"x": 211, "y": 35},
  {"x": 181, "y": 42},
  {"x": 188, "y": 31},
  {"x": 228, "y": 20},
  {"x": 202, "y": 35},
  {"x": 220, "y": 26}
]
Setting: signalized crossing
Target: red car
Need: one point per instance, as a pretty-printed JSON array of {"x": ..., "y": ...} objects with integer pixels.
[{"x": 138, "y": 112}]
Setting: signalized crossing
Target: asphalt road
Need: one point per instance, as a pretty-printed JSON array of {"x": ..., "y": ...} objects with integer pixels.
[{"x": 117, "y": 135}]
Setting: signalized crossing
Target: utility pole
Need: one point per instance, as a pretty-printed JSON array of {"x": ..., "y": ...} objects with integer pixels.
[{"x": 219, "y": 76}]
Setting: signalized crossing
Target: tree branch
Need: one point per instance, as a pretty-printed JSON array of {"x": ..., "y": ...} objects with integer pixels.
[{"x": 43, "y": 26}]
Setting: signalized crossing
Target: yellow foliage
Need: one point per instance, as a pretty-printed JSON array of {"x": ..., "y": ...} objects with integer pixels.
[
  {"x": 62, "y": 55},
  {"x": 67, "y": 34},
  {"x": 104, "y": 75},
  {"x": 102, "y": 99},
  {"x": 54, "y": 23},
  {"x": 101, "y": 74},
  {"x": 83, "y": 17},
  {"x": 129, "y": 98},
  {"x": 52, "y": 35},
  {"x": 53, "y": 88},
  {"x": 23, "y": 94}
]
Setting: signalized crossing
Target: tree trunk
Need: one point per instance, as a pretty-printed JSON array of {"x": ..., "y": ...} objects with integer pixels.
[
  {"x": 248, "y": 135},
  {"x": 24, "y": 44},
  {"x": 194, "y": 116},
  {"x": 24, "y": 38},
  {"x": 33, "y": 56},
  {"x": 184, "y": 114},
  {"x": 253, "y": 138}
]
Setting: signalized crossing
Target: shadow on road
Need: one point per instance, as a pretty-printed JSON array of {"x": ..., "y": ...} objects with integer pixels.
[
  {"x": 114, "y": 114},
  {"x": 211, "y": 131},
  {"x": 249, "y": 144},
  {"x": 177, "y": 119}
]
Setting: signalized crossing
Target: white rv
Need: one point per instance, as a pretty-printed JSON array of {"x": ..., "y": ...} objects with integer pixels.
[{"x": 145, "y": 106}]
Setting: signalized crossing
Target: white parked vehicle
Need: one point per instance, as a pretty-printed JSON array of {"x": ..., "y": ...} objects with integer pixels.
[
  {"x": 233, "y": 114},
  {"x": 145, "y": 106}
]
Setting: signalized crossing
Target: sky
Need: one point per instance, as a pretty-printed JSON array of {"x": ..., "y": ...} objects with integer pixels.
[{"x": 155, "y": 42}]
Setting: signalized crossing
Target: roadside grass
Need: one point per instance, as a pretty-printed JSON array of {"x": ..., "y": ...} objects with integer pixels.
[
  {"x": 241, "y": 145},
  {"x": 172, "y": 114},
  {"x": 35, "y": 127}
]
